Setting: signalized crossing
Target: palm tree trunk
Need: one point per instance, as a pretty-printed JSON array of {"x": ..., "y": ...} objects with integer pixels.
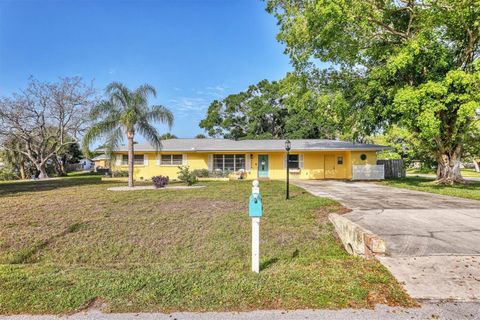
[{"x": 130, "y": 135}]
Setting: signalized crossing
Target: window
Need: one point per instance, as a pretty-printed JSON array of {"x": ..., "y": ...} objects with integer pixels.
[
  {"x": 137, "y": 159},
  {"x": 339, "y": 160},
  {"x": 293, "y": 161},
  {"x": 363, "y": 156},
  {"x": 228, "y": 162},
  {"x": 171, "y": 160}
]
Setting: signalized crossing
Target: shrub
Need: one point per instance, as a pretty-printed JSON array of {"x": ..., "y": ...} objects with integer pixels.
[
  {"x": 220, "y": 174},
  {"x": 185, "y": 175},
  {"x": 120, "y": 173},
  {"x": 7, "y": 174},
  {"x": 201, "y": 173},
  {"x": 160, "y": 181}
]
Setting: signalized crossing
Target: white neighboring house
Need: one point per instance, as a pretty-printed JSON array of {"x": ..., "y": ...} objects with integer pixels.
[{"x": 86, "y": 164}]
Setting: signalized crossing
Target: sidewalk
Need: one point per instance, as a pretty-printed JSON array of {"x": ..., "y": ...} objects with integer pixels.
[{"x": 430, "y": 310}]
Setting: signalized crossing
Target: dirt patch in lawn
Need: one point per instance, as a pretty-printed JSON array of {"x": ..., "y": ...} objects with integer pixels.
[{"x": 323, "y": 212}]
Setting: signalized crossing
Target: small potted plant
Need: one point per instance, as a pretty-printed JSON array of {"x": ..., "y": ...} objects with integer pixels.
[{"x": 160, "y": 181}]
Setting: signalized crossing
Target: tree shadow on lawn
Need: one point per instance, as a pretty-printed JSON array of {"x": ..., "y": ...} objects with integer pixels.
[{"x": 11, "y": 188}]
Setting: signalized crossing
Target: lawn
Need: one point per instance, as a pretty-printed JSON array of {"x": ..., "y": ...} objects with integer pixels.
[
  {"x": 467, "y": 173},
  {"x": 67, "y": 244},
  {"x": 470, "y": 190}
]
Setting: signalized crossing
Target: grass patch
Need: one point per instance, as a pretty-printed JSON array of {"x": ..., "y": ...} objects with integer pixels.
[
  {"x": 466, "y": 173},
  {"x": 470, "y": 190},
  {"x": 68, "y": 242}
]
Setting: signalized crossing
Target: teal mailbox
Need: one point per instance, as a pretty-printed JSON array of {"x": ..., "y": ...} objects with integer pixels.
[{"x": 255, "y": 208}]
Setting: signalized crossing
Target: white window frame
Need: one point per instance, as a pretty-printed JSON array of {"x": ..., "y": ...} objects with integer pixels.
[
  {"x": 171, "y": 164},
  {"x": 300, "y": 161},
  {"x": 125, "y": 163},
  {"x": 235, "y": 169}
]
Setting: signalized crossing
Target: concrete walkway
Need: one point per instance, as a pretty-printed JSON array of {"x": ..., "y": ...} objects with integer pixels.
[
  {"x": 449, "y": 310},
  {"x": 432, "y": 241}
]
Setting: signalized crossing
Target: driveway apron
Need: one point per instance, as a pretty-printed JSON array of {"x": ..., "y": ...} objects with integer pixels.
[{"x": 433, "y": 241}]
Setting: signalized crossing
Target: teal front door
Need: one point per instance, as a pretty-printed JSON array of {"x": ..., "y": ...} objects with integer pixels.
[{"x": 263, "y": 166}]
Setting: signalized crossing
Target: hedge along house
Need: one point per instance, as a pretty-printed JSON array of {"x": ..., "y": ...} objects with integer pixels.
[{"x": 309, "y": 159}]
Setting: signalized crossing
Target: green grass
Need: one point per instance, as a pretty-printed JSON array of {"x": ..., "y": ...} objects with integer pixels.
[
  {"x": 66, "y": 243},
  {"x": 470, "y": 173},
  {"x": 470, "y": 190}
]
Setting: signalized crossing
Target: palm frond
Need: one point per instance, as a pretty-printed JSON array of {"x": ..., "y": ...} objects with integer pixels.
[
  {"x": 97, "y": 131},
  {"x": 119, "y": 94},
  {"x": 101, "y": 109},
  {"x": 161, "y": 114},
  {"x": 113, "y": 141},
  {"x": 145, "y": 90},
  {"x": 150, "y": 133}
]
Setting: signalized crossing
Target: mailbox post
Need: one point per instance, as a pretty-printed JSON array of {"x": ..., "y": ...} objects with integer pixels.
[{"x": 255, "y": 211}]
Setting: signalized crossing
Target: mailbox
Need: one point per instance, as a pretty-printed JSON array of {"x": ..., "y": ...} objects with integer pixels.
[{"x": 255, "y": 208}]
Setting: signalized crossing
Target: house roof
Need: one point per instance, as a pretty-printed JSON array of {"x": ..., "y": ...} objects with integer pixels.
[
  {"x": 217, "y": 145},
  {"x": 101, "y": 157}
]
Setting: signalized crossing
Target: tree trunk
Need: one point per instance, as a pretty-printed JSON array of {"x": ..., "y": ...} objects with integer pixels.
[
  {"x": 21, "y": 169},
  {"x": 130, "y": 135},
  {"x": 448, "y": 170},
  {"x": 59, "y": 167},
  {"x": 477, "y": 167},
  {"x": 63, "y": 164},
  {"x": 41, "y": 167}
]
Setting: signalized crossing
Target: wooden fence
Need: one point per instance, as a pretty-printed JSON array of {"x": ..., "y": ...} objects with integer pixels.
[{"x": 393, "y": 168}]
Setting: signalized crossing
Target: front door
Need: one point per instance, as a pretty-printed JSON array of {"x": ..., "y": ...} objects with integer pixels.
[
  {"x": 330, "y": 167},
  {"x": 263, "y": 166}
]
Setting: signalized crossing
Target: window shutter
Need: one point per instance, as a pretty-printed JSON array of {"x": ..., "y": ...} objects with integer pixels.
[
  {"x": 184, "y": 160},
  {"x": 248, "y": 163},
  {"x": 158, "y": 159},
  {"x": 210, "y": 162},
  {"x": 118, "y": 160},
  {"x": 145, "y": 159},
  {"x": 285, "y": 161},
  {"x": 300, "y": 161}
]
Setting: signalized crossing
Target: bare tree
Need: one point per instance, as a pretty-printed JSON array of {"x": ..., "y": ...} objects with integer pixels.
[{"x": 46, "y": 117}]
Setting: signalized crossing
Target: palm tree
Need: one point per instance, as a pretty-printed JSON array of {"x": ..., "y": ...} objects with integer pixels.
[{"x": 127, "y": 112}]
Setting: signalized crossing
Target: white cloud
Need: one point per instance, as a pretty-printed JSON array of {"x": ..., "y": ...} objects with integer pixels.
[
  {"x": 188, "y": 106},
  {"x": 218, "y": 88}
]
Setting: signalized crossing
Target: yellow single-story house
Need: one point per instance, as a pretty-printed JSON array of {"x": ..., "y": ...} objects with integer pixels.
[{"x": 252, "y": 159}]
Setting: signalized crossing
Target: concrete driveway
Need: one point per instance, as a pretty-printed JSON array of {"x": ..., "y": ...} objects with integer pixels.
[{"x": 432, "y": 241}]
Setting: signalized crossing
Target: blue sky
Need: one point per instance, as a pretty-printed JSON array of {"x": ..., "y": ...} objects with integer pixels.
[{"x": 192, "y": 52}]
